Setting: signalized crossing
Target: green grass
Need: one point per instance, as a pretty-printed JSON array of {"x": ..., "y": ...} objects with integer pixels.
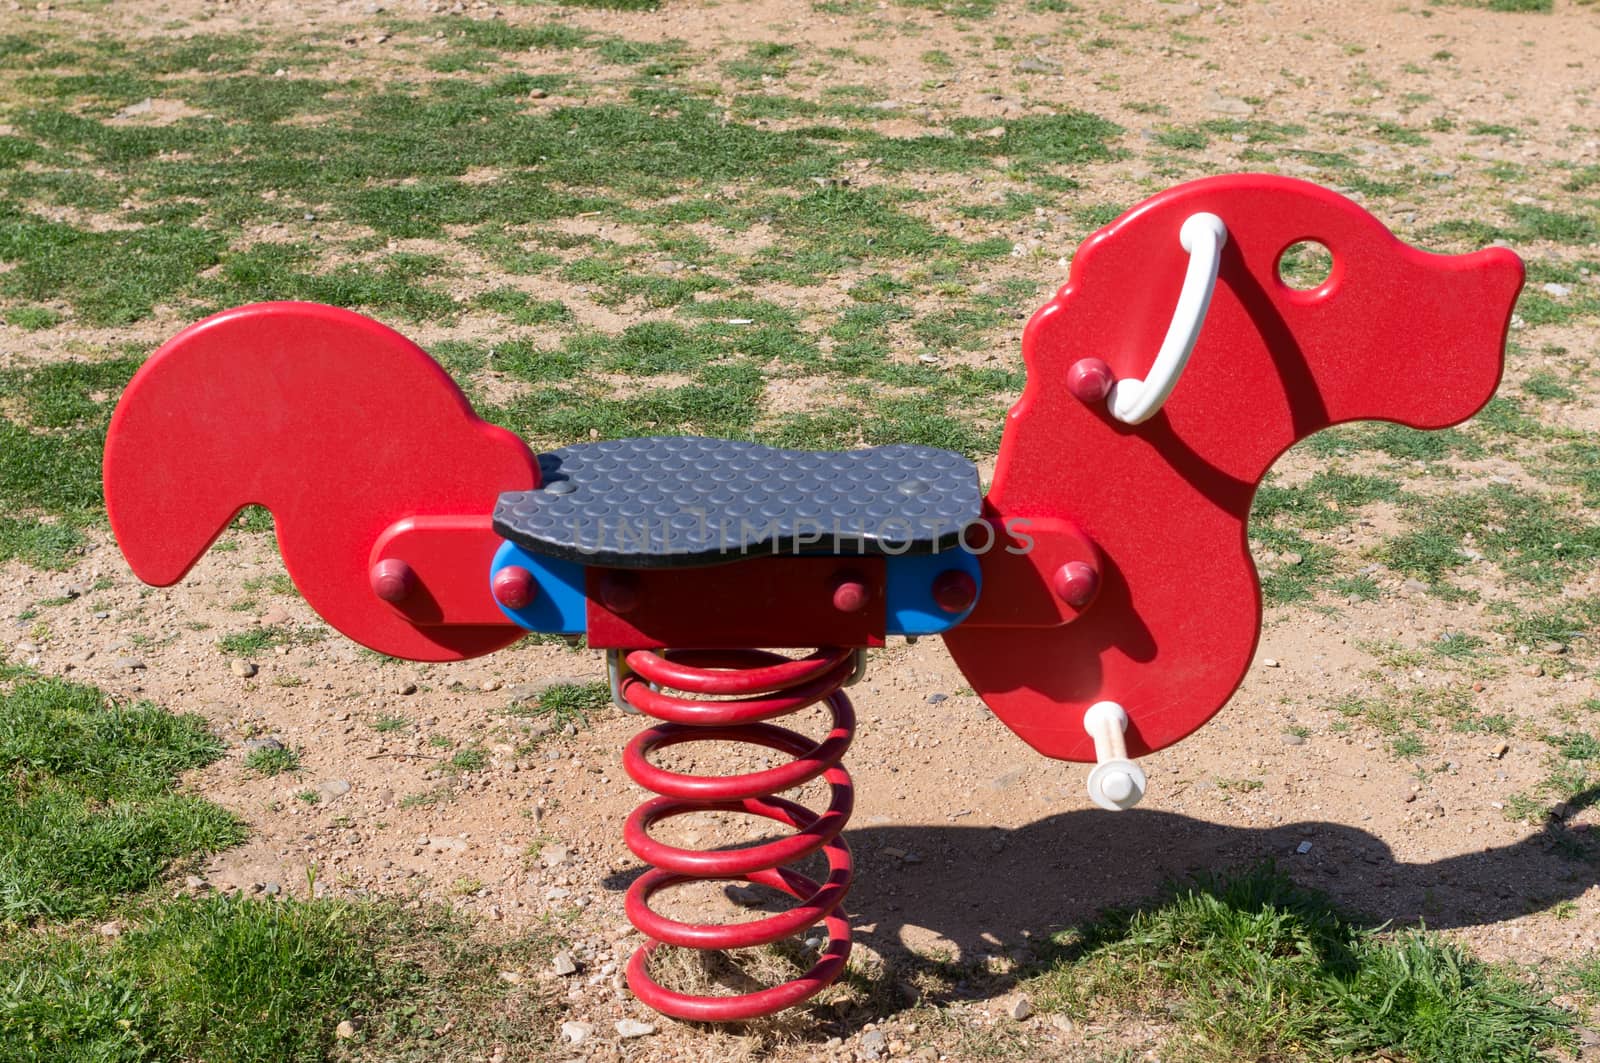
[
  {"x": 88, "y": 810},
  {"x": 51, "y": 546},
  {"x": 260, "y": 639},
  {"x": 1536, "y": 541},
  {"x": 269, "y": 760},
  {"x": 567, "y": 703},
  {"x": 246, "y": 981},
  {"x": 465, "y": 760},
  {"x": 1253, "y": 966}
]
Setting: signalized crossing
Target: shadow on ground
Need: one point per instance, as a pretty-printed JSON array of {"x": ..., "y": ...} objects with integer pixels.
[{"x": 960, "y": 893}]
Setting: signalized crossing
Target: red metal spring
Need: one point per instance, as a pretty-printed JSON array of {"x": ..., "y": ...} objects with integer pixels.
[{"x": 756, "y": 686}]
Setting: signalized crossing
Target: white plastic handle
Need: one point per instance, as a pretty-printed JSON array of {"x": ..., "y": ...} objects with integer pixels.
[
  {"x": 1116, "y": 783},
  {"x": 1135, "y": 401}
]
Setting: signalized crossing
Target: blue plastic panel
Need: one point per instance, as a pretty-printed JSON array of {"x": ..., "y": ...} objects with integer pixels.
[
  {"x": 559, "y": 607},
  {"x": 911, "y": 608}
]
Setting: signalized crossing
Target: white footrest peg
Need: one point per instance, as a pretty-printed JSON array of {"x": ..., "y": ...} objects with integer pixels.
[{"x": 1115, "y": 783}]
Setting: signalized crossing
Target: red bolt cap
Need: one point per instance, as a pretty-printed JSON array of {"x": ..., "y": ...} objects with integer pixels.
[
  {"x": 513, "y": 587},
  {"x": 1090, "y": 379},
  {"x": 1076, "y": 583},
  {"x": 619, "y": 591},
  {"x": 850, "y": 595},
  {"x": 955, "y": 590},
  {"x": 392, "y": 580}
]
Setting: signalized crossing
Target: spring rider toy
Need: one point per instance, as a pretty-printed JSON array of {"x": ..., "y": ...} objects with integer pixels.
[{"x": 1100, "y": 598}]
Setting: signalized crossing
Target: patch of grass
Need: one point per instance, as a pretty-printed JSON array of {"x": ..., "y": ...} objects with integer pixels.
[
  {"x": 1576, "y": 745},
  {"x": 762, "y": 61},
  {"x": 566, "y": 703},
  {"x": 32, "y": 318},
  {"x": 388, "y": 724},
  {"x": 271, "y": 760},
  {"x": 1546, "y": 385},
  {"x": 473, "y": 758},
  {"x": 394, "y": 285},
  {"x": 1566, "y": 620},
  {"x": 1396, "y": 713},
  {"x": 1254, "y": 967},
  {"x": 1540, "y": 223},
  {"x": 87, "y": 808},
  {"x": 1576, "y": 463},
  {"x": 1360, "y": 587},
  {"x": 47, "y": 545},
  {"x": 1457, "y": 645},
  {"x": 1536, "y": 540},
  {"x": 260, "y": 639},
  {"x": 1330, "y": 499},
  {"x": 957, "y": 8},
  {"x": 1587, "y": 975},
  {"x": 1408, "y": 746},
  {"x": 1190, "y": 139},
  {"x": 427, "y": 798},
  {"x": 111, "y": 278},
  {"x": 522, "y": 308},
  {"x": 243, "y": 980}
]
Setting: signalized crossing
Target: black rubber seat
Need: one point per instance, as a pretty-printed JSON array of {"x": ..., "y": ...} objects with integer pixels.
[{"x": 670, "y": 501}]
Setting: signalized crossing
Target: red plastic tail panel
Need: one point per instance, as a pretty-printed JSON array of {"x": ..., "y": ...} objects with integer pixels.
[
  {"x": 338, "y": 425},
  {"x": 1394, "y": 334}
]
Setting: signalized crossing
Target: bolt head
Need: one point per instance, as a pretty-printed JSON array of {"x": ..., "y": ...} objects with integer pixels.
[
  {"x": 1076, "y": 583},
  {"x": 513, "y": 587},
  {"x": 1090, "y": 380},
  {"x": 954, "y": 590},
  {"x": 619, "y": 591},
  {"x": 850, "y": 594},
  {"x": 393, "y": 580},
  {"x": 1117, "y": 785}
]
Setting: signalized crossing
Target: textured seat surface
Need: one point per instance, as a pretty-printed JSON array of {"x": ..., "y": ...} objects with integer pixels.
[{"x": 666, "y": 501}]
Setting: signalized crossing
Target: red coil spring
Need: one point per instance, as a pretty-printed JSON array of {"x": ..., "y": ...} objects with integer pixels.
[{"x": 756, "y": 686}]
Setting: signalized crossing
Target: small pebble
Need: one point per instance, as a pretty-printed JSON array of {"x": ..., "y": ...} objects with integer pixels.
[
  {"x": 242, "y": 669},
  {"x": 576, "y": 1032},
  {"x": 128, "y": 664},
  {"x": 405, "y": 688},
  {"x": 345, "y": 1030},
  {"x": 564, "y": 964},
  {"x": 1020, "y": 1008},
  {"x": 630, "y": 1028},
  {"x": 1269, "y": 662},
  {"x": 1294, "y": 740}
]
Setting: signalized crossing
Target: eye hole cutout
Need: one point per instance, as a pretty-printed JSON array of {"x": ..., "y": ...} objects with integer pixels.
[{"x": 1305, "y": 266}]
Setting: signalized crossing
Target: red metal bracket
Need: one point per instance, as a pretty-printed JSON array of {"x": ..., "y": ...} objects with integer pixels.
[
  {"x": 767, "y": 601},
  {"x": 434, "y": 571},
  {"x": 1039, "y": 572}
]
